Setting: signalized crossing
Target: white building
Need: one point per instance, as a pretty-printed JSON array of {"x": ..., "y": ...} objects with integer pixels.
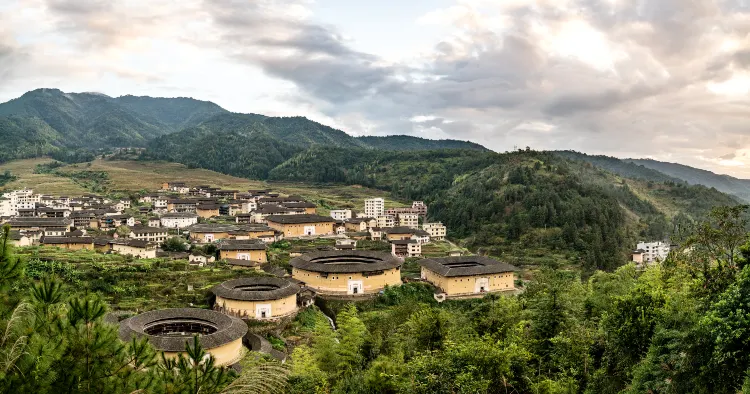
[
  {"x": 374, "y": 207},
  {"x": 178, "y": 220},
  {"x": 410, "y": 220},
  {"x": 436, "y": 230},
  {"x": 653, "y": 251},
  {"x": 20, "y": 199},
  {"x": 341, "y": 214}
]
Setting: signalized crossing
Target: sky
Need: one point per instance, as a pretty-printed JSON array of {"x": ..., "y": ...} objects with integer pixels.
[{"x": 662, "y": 79}]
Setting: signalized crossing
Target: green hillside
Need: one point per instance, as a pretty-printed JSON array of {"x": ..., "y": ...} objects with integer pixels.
[
  {"x": 95, "y": 122},
  {"x": 620, "y": 167},
  {"x": 696, "y": 176},
  {"x": 537, "y": 207},
  {"x": 406, "y": 142}
]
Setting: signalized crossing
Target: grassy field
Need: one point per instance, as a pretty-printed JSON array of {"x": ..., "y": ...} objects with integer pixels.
[
  {"x": 134, "y": 176},
  {"x": 41, "y": 183}
]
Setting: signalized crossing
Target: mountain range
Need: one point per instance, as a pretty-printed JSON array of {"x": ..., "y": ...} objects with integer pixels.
[{"x": 44, "y": 120}]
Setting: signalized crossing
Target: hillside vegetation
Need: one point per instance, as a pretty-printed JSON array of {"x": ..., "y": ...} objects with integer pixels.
[
  {"x": 74, "y": 126},
  {"x": 533, "y": 207},
  {"x": 696, "y": 176}
]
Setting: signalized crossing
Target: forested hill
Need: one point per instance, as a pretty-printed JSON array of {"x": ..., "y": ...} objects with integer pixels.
[
  {"x": 533, "y": 207},
  {"x": 621, "y": 167},
  {"x": 250, "y": 145},
  {"x": 93, "y": 120},
  {"x": 696, "y": 176},
  {"x": 57, "y": 122}
]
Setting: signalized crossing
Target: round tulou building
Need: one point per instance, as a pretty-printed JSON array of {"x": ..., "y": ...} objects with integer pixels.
[
  {"x": 353, "y": 272},
  {"x": 257, "y": 297},
  {"x": 169, "y": 330}
]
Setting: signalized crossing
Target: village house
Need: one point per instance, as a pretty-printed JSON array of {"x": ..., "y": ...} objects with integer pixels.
[
  {"x": 55, "y": 231},
  {"x": 181, "y": 205},
  {"x": 421, "y": 236},
  {"x": 468, "y": 276},
  {"x": 356, "y": 225},
  {"x": 243, "y": 264},
  {"x": 243, "y": 250},
  {"x": 349, "y": 273},
  {"x": 160, "y": 203},
  {"x": 264, "y": 211},
  {"x": 200, "y": 259},
  {"x": 376, "y": 233},
  {"x": 33, "y": 223},
  {"x": 406, "y": 248},
  {"x": 637, "y": 256},
  {"x": 71, "y": 243},
  {"x": 85, "y": 219},
  {"x": 134, "y": 247},
  {"x": 307, "y": 207},
  {"x": 339, "y": 227},
  {"x": 301, "y": 225},
  {"x": 244, "y": 218},
  {"x": 398, "y": 233},
  {"x": 114, "y": 221},
  {"x": 260, "y": 297},
  {"x": 178, "y": 219},
  {"x": 19, "y": 239},
  {"x": 177, "y": 187},
  {"x": 149, "y": 234},
  {"x": 207, "y": 211},
  {"x": 346, "y": 244},
  {"x": 153, "y": 222},
  {"x": 210, "y": 232},
  {"x": 341, "y": 214},
  {"x": 436, "y": 230}
]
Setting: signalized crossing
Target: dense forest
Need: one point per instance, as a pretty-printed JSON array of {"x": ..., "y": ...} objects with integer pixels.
[{"x": 676, "y": 327}]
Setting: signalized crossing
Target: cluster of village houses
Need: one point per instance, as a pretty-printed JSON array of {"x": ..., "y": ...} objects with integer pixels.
[{"x": 250, "y": 220}]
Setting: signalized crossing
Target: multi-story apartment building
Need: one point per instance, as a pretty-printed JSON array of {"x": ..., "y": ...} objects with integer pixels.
[
  {"x": 386, "y": 221},
  {"x": 653, "y": 251},
  {"x": 20, "y": 199},
  {"x": 408, "y": 220},
  {"x": 436, "y": 230},
  {"x": 374, "y": 207}
]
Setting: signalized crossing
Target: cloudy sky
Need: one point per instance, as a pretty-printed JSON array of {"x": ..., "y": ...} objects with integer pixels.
[{"x": 667, "y": 79}]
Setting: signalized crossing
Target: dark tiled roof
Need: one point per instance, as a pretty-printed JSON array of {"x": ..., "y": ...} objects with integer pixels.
[
  {"x": 271, "y": 209},
  {"x": 346, "y": 261},
  {"x": 300, "y": 219},
  {"x": 66, "y": 240},
  {"x": 242, "y": 245},
  {"x": 466, "y": 266},
  {"x": 228, "y": 328},
  {"x": 243, "y": 263},
  {"x": 38, "y": 222},
  {"x": 257, "y": 288},
  {"x": 299, "y": 204},
  {"x": 147, "y": 230},
  {"x": 212, "y": 228}
]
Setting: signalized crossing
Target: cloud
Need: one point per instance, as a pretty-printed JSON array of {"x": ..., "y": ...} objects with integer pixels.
[{"x": 659, "y": 78}]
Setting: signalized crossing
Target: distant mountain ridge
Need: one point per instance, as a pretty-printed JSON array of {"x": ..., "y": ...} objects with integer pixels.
[
  {"x": 56, "y": 120},
  {"x": 696, "y": 176},
  {"x": 658, "y": 171}
]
